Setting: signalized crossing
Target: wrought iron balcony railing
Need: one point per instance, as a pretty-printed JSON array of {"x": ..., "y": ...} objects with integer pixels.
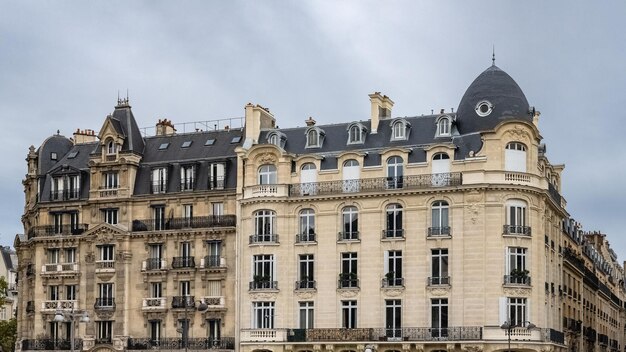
[
  {"x": 51, "y": 344},
  {"x": 439, "y": 231},
  {"x": 347, "y": 282},
  {"x": 196, "y": 222},
  {"x": 393, "y": 282},
  {"x": 53, "y": 230},
  {"x": 213, "y": 261},
  {"x": 104, "y": 303},
  {"x": 348, "y": 236},
  {"x": 263, "y": 238},
  {"x": 305, "y": 284},
  {"x": 517, "y": 230},
  {"x": 305, "y": 237},
  {"x": 516, "y": 280},
  {"x": 438, "y": 280},
  {"x": 462, "y": 333},
  {"x": 183, "y": 262},
  {"x": 393, "y": 233},
  {"x": 263, "y": 285},
  {"x": 376, "y": 184},
  {"x": 183, "y": 302},
  {"x": 154, "y": 264},
  {"x": 146, "y": 343},
  {"x": 65, "y": 194}
]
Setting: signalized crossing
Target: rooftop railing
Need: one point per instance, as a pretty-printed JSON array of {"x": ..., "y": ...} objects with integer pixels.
[{"x": 195, "y": 222}]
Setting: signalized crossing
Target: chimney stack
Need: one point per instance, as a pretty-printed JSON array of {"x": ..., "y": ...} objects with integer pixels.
[
  {"x": 380, "y": 109},
  {"x": 165, "y": 127},
  {"x": 310, "y": 122},
  {"x": 84, "y": 136},
  {"x": 257, "y": 118}
]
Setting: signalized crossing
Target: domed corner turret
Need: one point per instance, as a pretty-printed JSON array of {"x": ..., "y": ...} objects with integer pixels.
[
  {"x": 51, "y": 151},
  {"x": 493, "y": 97}
]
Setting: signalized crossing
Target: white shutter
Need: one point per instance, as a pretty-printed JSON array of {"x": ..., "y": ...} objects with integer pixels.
[
  {"x": 164, "y": 176},
  {"x": 504, "y": 314},
  {"x": 214, "y": 288},
  {"x": 351, "y": 173},
  {"x": 274, "y": 267},
  {"x": 528, "y": 310},
  {"x": 386, "y": 263},
  {"x": 515, "y": 160},
  {"x": 155, "y": 175},
  {"x": 441, "y": 166},
  {"x": 220, "y": 171}
]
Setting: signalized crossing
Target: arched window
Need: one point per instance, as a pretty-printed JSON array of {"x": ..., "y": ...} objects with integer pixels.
[
  {"x": 267, "y": 174},
  {"x": 439, "y": 219},
  {"x": 264, "y": 225},
  {"x": 350, "y": 223},
  {"x": 394, "y": 222},
  {"x": 307, "y": 226},
  {"x": 111, "y": 147},
  {"x": 399, "y": 131},
  {"x": 273, "y": 139},
  {"x": 443, "y": 127},
  {"x": 395, "y": 172},
  {"x": 351, "y": 175},
  {"x": 356, "y": 133},
  {"x": 515, "y": 157},
  {"x": 277, "y": 138},
  {"x": 308, "y": 179},
  {"x": 516, "y": 218},
  {"x": 441, "y": 169},
  {"x": 312, "y": 139}
]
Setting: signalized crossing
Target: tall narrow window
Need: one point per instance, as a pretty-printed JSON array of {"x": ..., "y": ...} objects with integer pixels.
[
  {"x": 395, "y": 172},
  {"x": 110, "y": 216},
  {"x": 74, "y": 226},
  {"x": 355, "y": 134},
  {"x": 155, "y": 261},
  {"x": 439, "y": 266},
  {"x": 348, "y": 314},
  {"x": 105, "y": 298},
  {"x": 213, "y": 260},
  {"x": 350, "y": 220},
  {"x": 443, "y": 127},
  {"x": 306, "y": 315},
  {"x": 394, "y": 222},
  {"x": 440, "y": 170},
  {"x": 516, "y": 308},
  {"x": 267, "y": 175},
  {"x": 159, "y": 180},
  {"x": 70, "y": 292},
  {"x": 70, "y": 255},
  {"x": 184, "y": 288},
  {"x": 111, "y": 147},
  {"x": 351, "y": 175},
  {"x": 188, "y": 215},
  {"x": 155, "y": 332},
  {"x": 73, "y": 186},
  {"x": 515, "y": 157},
  {"x": 156, "y": 290},
  {"x": 439, "y": 218},
  {"x": 53, "y": 255},
  {"x": 349, "y": 274},
  {"x": 265, "y": 225},
  {"x": 158, "y": 216},
  {"x": 215, "y": 334},
  {"x": 58, "y": 223},
  {"x": 111, "y": 180},
  {"x": 308, "y": 179},
  {"x": 218, "y": 208},
  {"x": 516, "y": 266},
  {"x": 216, "y": 176},
  {"x": 104, "y": 330},
  {"x": 107, "y": 252},
  {"x": 393, "y": 269},
  {"x": 398, "y": 131},
  {"x": 306, "y": 232},
  {"x": 263, "y": 315},
  {"x": 393, "y": 318},
  {"x": 516, "y": 218},
  {"x": 263, "y": 275},
  {"x": 439, "y": 317},
  {"x": 312, "y": 138},
  {"x": 53, "y": 292},
  {"x": 187, "y": 177},
  {"x": 57, "y": 188},
  {"x": 306, "y": 272}
]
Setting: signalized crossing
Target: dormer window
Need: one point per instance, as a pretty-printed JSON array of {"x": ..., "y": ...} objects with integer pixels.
[
  {"x": 443, "y": 126},
  {"x": 399, "y": 130},
  {"x": 356, "y": 133},
  {"x": 314, "y": 137},
  {"x": 277, "y": 138},
  {"x": 110, "y": 147}
]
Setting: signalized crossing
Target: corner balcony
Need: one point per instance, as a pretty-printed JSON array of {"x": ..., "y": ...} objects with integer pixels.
[
  {"x": 53, "y": 305},
  {"x": 60, "y": 269},
  {"x": 53, "y": 231},
  {"x": 105, "y": 303},
  {"x": 175, "y": 343},
  {"x": 196, "y": 222},
  {"x": 516, "y": 230},
  {"x": 183, "y": 262},
  {"x": 260, "y": 191},
  {"x": 51, "y": 344},
  {"x": 393, "y": 234},
  {"x": 523, "y": 334},
  {"x": 437, "y": 232},
  {"x": 154, "y": 264},
  {"x": 263, "y": 239}
]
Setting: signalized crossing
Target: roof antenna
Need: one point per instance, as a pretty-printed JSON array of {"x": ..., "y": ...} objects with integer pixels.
[
  {"x": 126, "y": 94},
  {"x": 493, "y": 56}
]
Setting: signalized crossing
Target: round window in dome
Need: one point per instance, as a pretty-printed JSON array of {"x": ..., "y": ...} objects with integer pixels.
[{"x": 484, "y": 108}]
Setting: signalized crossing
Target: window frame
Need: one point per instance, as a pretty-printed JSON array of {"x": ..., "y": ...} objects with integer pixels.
[{"x": 267, "y": 174}]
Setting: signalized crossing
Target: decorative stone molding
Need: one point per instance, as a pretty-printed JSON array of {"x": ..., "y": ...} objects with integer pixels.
[
  {"x": 517, "y": 291},
  {"x": 90, "y": 258},
  {"x": 440, "y": 291},
  {"x": 518, "y": 134},
  {"x": 419, "y": 347},
  {"x": 266, "y": 158},
  {"x": 393, "y": 292},
  {"x": 263, "y": 296},
  {"x": 450, "y": 347},
  {"x": 105, "y": 314},
  {"x": 348, "y": 293},
  {"x": 305, "y": 294},
  {"x": 472, "y": 348}
]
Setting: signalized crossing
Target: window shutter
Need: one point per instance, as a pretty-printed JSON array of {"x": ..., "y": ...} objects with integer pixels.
[
  {"x": 528, "y": 310},
  {"x": 386, "y": 264},
  {"x": 274, "y": 267},
  {"x": 503, "y": 310}
]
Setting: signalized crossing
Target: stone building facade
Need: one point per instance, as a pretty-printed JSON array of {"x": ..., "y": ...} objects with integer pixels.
[{"x": 445, "y": 232}]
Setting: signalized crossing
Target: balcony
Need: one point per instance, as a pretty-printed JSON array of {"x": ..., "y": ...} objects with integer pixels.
[
  {"x": 51, "y": 344},
  {"x": 263, "y": 335},
  {"x": 158, "y": 187},
  {"x": 393, "y": 282},
  {"x": 174, "y": 343},
  {"x": 30, "y": 307},
  {"x": 439, "y": 281},
  {"x": 263, "y": 239},
  {"x": 348, "y": 236},
  {"x": 306, "y": 238},
  {"x": 522, "y": 333},
  {"x": 464, "y": 333},
  {"x": 348, "y": 280},
  {"x": 59, "y": 269},
  {"x": 65, "y": 194},
  {"x": 444, "y": 231},
  {"x": 196, "y": 222},
  {"x": 153, "y": 264},
  {"x": 393, "y": 234},
  {"x": 517, "y": 279},
  {"x": 154, "y": 303},
  {"x": 380, "y": 184},
  {"x": 215, "y": 302},
  {"x": 262, "y": 284},
  {"x": 258, "y": 191},
  {"x": 516, "y": 230},
  {"x": 104, "y": 303},
  {"x": 183, "y": 302},
  {"x": 306, "y": 284},
  {"x": 213, "y": 262},
  {"x": 183, "y": 262},
  {"x": 52, "y": 230},
  {"x": 105, "y": 266},
  {"x": 53, "y": 305}
]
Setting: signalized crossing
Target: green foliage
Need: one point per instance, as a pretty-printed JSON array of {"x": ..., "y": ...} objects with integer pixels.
[
  {"x": 8, "y": 334},
  {"x": 4, "y": 287}
]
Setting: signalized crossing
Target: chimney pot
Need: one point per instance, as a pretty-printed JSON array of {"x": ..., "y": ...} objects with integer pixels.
[{"x": 310, "y": 122}]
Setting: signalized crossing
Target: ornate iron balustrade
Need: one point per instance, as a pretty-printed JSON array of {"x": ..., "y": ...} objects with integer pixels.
[
  {"x": 347, "y": 281},
  {"x": 554, "y": 194},
  {"x": 183, "y": 302},
  {"x": 439, "y": 231},
  {"x": 196, "y": 222},
  {"x": 463, "y": 333},
  {"x": 66, "y": 194},
  {"x": 263, "y": 238},
  {"x": 155, "y": 264},
  {"x": 51, "y": 344},
  {"x": 104, "y": 303},
  {"x": 393, "y": 282},
  {"x": 517, "y": 230},
  {"x": 306, "y": 284},
  {"x": 376, "y": 184},
  {"x": 333, "y": 334},
  {"x": 305, "y": 237},
  {"x": 59, "y": 304},
  {"x": 348, "y": 236},
  {"x": 212, "y": 261},
  {"x": 52, "y": 230},
  {"x": 263, "y": 285},
  {"x": 183, "y": 262},
  {"x": 438, "y": 280},
  {"x": 571, "y": 257},
  {"x": 516, "y": 280},
  {"x": 146, "y": 343},
  {"x": 551, "y": 335},
  {"x": 393, "y": 233}
]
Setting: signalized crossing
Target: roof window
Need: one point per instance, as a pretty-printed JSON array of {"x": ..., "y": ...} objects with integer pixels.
[
  {"x": 164, "y": 146},
  {"x": 483, "y": 108},
  {"x": 235, "y": 139},
  {"x": 210, "y": 141},
  {"x": 186, "y": 144},
  {"x": 53, "y": 156},
  {"x": 72, "y": 155}
]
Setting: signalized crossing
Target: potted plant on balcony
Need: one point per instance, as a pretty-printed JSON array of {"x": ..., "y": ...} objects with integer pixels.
[
  {"x": 391, "y": 278},
  {"x": 519, "y": 276}
]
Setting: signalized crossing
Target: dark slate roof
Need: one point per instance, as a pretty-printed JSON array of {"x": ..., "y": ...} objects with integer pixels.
[
  {"x": 124, "y": 120},
  {"x": 6, "y": 256},
  {"x": 496, "y": 86},
  {"x": 54, "y": 144}
]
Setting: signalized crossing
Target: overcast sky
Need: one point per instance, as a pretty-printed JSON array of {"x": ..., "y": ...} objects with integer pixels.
[{"x": 62, "y": 64}]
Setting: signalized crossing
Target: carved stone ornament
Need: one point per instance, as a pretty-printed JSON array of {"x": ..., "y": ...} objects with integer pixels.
[
  {"x": 474, "y": 210},
  {"x": 473, "y": 348},
  {"x": 90, "y": 258},
  {"x": 105, "y": 314},
  {"x": 267, "y": 158},
  {"x": 517, "y": 291},
  {"x": 393, "y": 292},
  {"x": 263, "y": 296},
  {"x": 348, "y": 293},
  {"x": 305, "y": 294},
  {"x": 440, "y": 291},
  {"x": 419, "y": 347},
  {"x": 450, "y": 347},
  {"x": 519, "y": 134},
  {"x": 103, "y": 237},
  {"x": 406, "y": 346},
  {"x": 547, "y": 349},
  {"x": 154, "y": 316}
]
